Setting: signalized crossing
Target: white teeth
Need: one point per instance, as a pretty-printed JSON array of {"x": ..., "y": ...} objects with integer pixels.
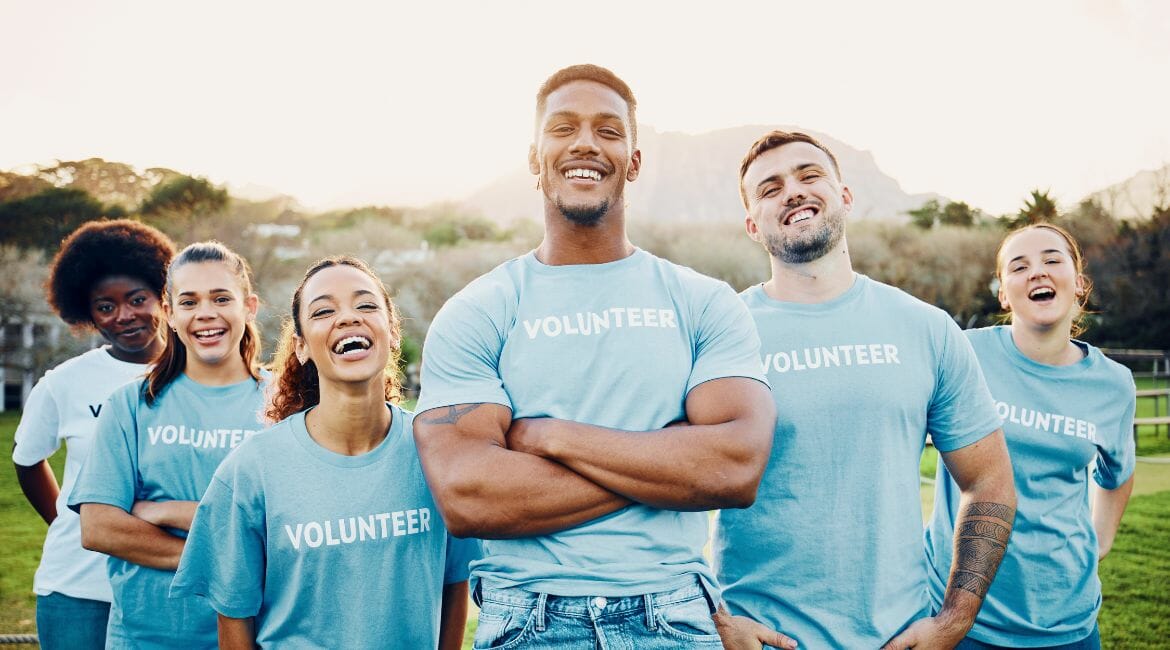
[
  {"x": 209, "y": 333},
  {"x": 354, "y": 343},
  {"x": 1041, "y": 292},
  {"x": 802, "y": 215},
  {"x": 583, "y": 173}
]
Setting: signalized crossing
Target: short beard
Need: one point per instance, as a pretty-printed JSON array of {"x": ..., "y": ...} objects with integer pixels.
[
  {"x": 803, "y": 252},
  {"x": 584, "y": 215}
]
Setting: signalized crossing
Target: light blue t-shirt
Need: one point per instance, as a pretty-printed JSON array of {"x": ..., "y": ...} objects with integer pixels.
[
  {"x": 616, "y": 345},
  {"x": 165, "y": 452},
  {"x": 831, "y": 552},
  {"x": 1059, "y": 421},
  {"x": 325, "y": 550}
]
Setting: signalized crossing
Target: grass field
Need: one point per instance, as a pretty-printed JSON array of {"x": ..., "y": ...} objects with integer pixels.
[{"x": 1136, "y": 611}]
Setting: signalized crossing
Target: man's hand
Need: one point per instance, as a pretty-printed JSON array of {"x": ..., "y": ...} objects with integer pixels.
[
  {"x": 928, "y": 634},
  {"x": 742, "y": 633}
]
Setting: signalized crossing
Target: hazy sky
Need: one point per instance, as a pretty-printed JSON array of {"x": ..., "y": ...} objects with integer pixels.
[{"x": 343, "y": 103}]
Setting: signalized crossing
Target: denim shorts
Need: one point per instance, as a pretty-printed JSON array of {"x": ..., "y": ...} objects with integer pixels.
[
  {"x": 1091, "y": 642},
  {"x": 68, "y": 623},
  {"x": 515, "y": 618}
]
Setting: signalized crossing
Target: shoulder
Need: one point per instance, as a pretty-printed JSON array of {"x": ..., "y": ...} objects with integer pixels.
[
  {"x": 686, "y": 277},
  {"x": 500, "y": 282},
  {"x": 1111, "y": 370},
  {"x": 984, "y": 338},
  {"x": 94, "y": 360}
]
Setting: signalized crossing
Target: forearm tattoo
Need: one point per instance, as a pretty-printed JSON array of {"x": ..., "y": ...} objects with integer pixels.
[
  {"x": 451, "y": 415},
  {"x": 980, "y": 541}
]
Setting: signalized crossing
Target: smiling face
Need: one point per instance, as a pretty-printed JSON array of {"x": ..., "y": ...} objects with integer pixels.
[
  {"x": 1039, "y": 282},
  {"x": 584, "y": 154},
  {"x": 123, "y": 310},
  {"x": 796, "y": 203},
  {"x": 345, "y": 327},
  {"x": 209, "y": 312}
]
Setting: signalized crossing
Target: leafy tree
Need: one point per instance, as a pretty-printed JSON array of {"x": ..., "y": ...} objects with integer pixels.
[
  {"x": 958, "y": 213},
  {"x": 1038, "y": 207},
  {"x": 186, "y": 208},
  {"x": 926, "y": 216},
  {"x": 41, "y": 221},
  {"x": 1132, "y": 290}
]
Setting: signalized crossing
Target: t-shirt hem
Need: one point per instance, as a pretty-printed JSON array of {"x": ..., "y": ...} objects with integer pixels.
[
  {"x": 744, "y": 374},
  {"x": 77, "y": 500},
  {"x": 1028, "y": 641},
  {"x": 217, "y": 603},
  {"x": 951, "y": 443},
  {"x": 452, "y": 400}
]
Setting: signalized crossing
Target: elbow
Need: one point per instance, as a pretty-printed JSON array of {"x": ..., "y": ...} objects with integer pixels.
[
  {"x": 738, "y": 494},
  {"x": 463, "y": 513}
]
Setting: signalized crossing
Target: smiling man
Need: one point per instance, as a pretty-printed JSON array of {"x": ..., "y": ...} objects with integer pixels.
[
  {"x": 584, "y": 404},
  {"x": 831, "y": 552}
]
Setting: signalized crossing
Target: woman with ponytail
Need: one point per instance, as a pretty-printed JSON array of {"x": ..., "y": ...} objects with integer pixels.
[
  {"x": 159, "y": 441},
  {"x": 330, "y": 503},
  {"x": 1068, "y": 419}
]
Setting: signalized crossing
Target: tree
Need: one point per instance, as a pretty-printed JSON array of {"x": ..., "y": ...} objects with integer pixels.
[
  {"x": 958, "y": 213},
  {"x": 186, "y": 208},
  {"x": 926, "y": 216},
  {"x": 41, "y": 221},
  {"x": 1038, "y": 207}
]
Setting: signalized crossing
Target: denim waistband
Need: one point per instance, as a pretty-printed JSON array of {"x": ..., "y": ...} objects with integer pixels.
[{"x": 582, "y": 605}]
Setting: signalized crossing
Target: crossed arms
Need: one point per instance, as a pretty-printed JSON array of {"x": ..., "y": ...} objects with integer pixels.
[{"x": 494, "y": 477}]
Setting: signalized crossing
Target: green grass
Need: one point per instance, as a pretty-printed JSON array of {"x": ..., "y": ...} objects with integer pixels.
[{"x": 1152, "y": 440}]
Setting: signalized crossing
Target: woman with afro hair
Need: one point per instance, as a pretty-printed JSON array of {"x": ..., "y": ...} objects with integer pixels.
[{"x": 107, "y": 277}]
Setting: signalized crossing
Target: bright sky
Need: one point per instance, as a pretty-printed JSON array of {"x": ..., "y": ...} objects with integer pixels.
[{"x": 344, "y": 103}]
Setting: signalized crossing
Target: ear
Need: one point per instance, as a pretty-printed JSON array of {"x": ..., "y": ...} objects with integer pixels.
[
  {"x": 252, "y": 302},
  {"x": 847, "y": 198},
  {"x": 300, "y": 349},
  {"x": 753, "y": 230},
  {"x": 533, "y": 161},
  {"x": 1003, "y": 303},
  {"x": 1080, "y": 286},
  {"x": 168, "y": 314},
  {"x": 635, "y": 166}
]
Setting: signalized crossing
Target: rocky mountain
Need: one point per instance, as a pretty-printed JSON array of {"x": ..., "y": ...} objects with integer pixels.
[
  {"x": 688, "y": 178},
  {"x": 1138, "y": 196}
]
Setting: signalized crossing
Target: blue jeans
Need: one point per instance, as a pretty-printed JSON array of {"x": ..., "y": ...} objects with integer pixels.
[
  {"x": 515, "y": 618},
  {"x": 68, "y": 623},
  {"x": 1091, "y": 642}
]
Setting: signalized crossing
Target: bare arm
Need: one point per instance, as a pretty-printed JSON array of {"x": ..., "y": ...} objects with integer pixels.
[
  {"x": 714, "y": 462},
  {"x": 40, "y": 487},
  {"x": 1108, "y": 506},
  {"x": 486, "y": 490},
  {"x": 987, "y": 508},
  {"x": 236, "y": 633},
  {"x": 113, "y": 531},
  {"x": 166, "y": 514},
  {"x": 453, "y": 621}
]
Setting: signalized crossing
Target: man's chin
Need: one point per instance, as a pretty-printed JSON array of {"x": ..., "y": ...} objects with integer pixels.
[{"x": 584, "y": 215}]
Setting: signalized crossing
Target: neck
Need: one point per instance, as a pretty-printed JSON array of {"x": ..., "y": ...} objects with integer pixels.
[
  {"x": 1048, "y": 345},
  {"x": 145, "y": 355},
  {"x": 350, "y": 419},
  {"x": 229, "y": 371},
  {"x": 820, "y": 280},
  {"x": 566, "y": 242}
]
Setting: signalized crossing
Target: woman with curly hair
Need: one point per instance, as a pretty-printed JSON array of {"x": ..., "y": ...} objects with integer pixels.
[
  {"x": 159, "y": 441},
  {"x": 1068, "y": 418},
  {"x": 331, "y": 501},
  {"x": 106, "y": 277}
]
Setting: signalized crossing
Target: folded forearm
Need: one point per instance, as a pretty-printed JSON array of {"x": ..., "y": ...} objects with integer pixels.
[{"x": 115, "y": 532}]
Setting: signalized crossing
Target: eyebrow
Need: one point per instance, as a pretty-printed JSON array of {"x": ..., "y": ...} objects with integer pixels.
[
  {"x": 574, "y": 114},
  {"x": 327, "y": 296},
  {"x": 799, "y": 168},
  {"x": 1047, "y": 251},
  {"x": 125, "y": 295},
  {"x": 213, "y": 291}
]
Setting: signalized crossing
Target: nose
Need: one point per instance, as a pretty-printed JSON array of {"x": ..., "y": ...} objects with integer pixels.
[
  {"x": 124, "y": 313},
  {"x": 793, "y": 193},
  {"x": 585, "y": 144},
  {"x": 348, "y": 316}
]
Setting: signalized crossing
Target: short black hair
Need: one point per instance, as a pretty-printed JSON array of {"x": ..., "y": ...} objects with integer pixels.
[
  {"x": 589, "y": 72},
  {"x": 101, "y": 249}
]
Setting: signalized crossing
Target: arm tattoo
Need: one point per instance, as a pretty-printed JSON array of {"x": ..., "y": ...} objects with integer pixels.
[
  {"x": 450, "y": 416},
  {"x": 980, "y": 541}
]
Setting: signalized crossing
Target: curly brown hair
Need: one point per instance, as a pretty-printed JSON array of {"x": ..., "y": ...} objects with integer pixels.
[
  {"x": 99, "y": 250},
  {"x": 295, "y": 386}
]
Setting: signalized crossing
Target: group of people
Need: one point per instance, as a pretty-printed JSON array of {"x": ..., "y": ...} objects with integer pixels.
[{"x": 583, "y": 407}]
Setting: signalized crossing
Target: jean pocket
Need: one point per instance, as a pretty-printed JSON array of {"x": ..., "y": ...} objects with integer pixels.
[
  {"x": 689, "y": 620},
  {"x": 501, "y": 627}
]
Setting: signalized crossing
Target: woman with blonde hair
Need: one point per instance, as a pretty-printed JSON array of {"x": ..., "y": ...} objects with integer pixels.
[
  {"x": 1068, "y": 415},
  {"x": 330, "y": 503}
]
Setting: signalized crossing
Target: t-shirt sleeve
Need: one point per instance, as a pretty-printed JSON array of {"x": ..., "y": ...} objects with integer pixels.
[
  {"x": 961, "y": 410},
  {"x": 110, "y": 473},
  {"x": 1116, "y": 455},
  {"x": 726, "y": 341},
  {"x": 224, "y": 557},
  {"x": 461, "y": 356},
  {"x": 461, "y": 552},
  {"x": 38, "y": 434}
]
